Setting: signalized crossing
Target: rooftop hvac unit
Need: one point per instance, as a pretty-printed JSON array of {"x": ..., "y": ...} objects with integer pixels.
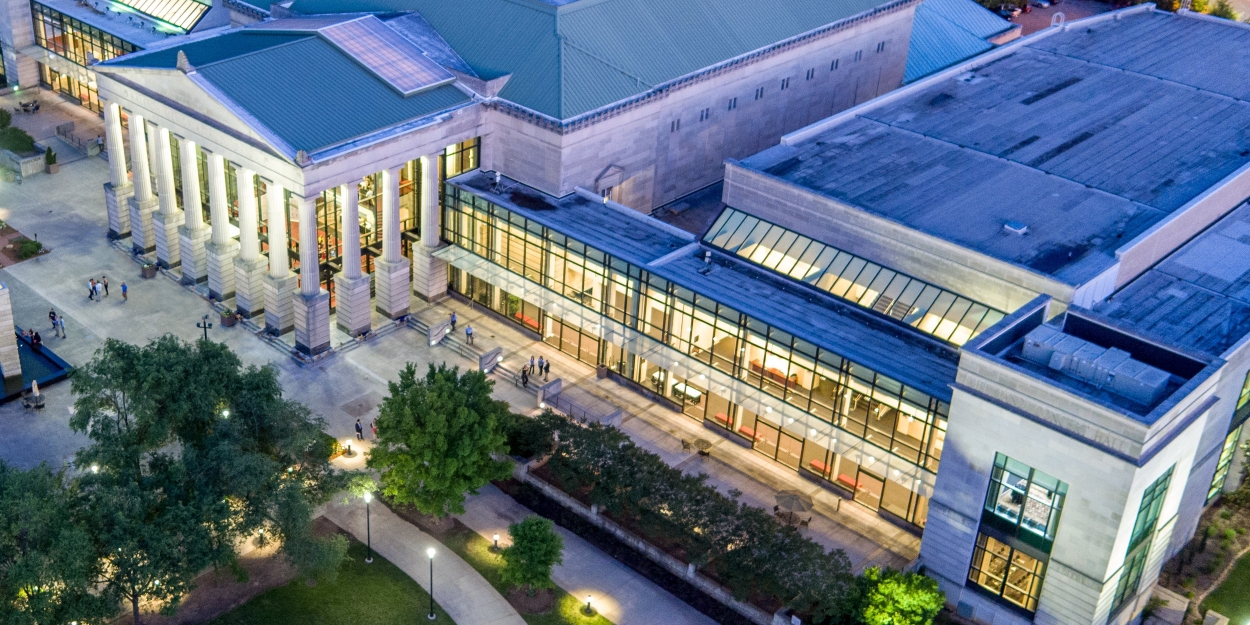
[
  {"x": 1139, "y": 382},
  {"x": 1110, "y": 368}
]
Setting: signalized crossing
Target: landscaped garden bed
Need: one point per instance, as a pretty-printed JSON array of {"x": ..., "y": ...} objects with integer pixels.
[
  {"x": 472, "y": 548},
  {"x": 675, "y": 519},
  {"x": 1208, "y": 570},
  {"x": 17, "y": 247}
]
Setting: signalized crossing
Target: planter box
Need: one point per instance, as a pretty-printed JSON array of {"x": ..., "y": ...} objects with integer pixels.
[
  {"x": 229, "y": 321},
  {"x": 148, "y": 271},
  {"x": 52, "y": 168}
]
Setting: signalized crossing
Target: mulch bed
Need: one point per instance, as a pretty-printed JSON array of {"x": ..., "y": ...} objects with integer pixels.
[
  {"x": 1203, "y": 562},
  {"x": 9, "y": 239},
  {"x": 438, "y": 528},
  {"x": 541, "y": 603},
  {"x": 217, "y": 593},
  {"x": 541, "y": 504}
]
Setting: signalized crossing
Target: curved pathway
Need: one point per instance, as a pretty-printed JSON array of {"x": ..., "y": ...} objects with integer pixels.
[{"x": 460, "y": 590}]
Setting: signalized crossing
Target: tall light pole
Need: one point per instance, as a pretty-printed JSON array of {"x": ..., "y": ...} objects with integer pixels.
[
  {"x": 205, "y": 325},
  {"x": 430, "y": 552},
  {"x": 368, "y": 531}
]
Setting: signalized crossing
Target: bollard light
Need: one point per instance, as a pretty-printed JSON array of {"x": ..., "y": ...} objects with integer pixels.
[
  {"x": 588, "y": 611},
  {"x": 430, "y": 552},
  {"x": 496, "y": 541},
  {"x": 368, "y": 496}
]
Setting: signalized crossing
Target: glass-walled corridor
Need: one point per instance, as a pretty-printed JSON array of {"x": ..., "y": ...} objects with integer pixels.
[{"x": 861, "y": 433}]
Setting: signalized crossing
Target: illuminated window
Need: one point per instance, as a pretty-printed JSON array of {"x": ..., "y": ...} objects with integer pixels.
[
  {"x": 1024, "y": 502},
  {"x": 1007, "y": 572},
  {"x": 1226, "y": 460}
]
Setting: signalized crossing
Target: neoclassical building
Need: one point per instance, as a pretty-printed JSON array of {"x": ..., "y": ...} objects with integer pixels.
[{"x": 346, "y": 124}]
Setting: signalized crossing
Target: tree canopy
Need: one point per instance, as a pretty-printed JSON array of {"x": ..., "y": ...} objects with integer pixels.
[
  {"x": 536, "y": 548},
  {"x": 195, "y": 453},
  {"x": 896, "y": 598},
  {"x": 438, "y": 439},
  {"x": 46, "y": 570}
]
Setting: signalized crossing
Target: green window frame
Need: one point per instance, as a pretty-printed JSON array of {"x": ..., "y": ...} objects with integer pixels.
[
  {"x": 1243, "y": 402},
  {"x": 1024, "y": 502},
  {"x": 1140, "y": 540},
  {"x": 1226, "y": 461}
]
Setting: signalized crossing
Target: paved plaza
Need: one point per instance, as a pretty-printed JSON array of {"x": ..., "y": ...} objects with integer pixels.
[{"x": 66, "y": 212}]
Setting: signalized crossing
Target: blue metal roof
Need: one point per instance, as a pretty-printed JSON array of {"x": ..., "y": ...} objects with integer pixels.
[
  {"x": 205, "y": 51},
  {"x": 277, "y": 87},
  {"x": 946, "y": 32},
  {"x": 569, "y": 59}
]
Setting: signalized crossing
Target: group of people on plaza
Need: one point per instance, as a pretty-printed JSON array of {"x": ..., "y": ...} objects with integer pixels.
[
  {"x": 534, "y": 369},
  {"x": 468, "y": 330},
  {"x": 360, "y": 430},
  {"x": 58, "y": 323},
  {"x": 97, "y": 290},
  {"x": 36, "y": 341}
]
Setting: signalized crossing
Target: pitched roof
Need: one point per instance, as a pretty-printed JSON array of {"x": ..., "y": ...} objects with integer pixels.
[
  {"x": 571, "y": 58},
  {"x": 340, "y": 95},
  {"x": 937, "y": 42}
]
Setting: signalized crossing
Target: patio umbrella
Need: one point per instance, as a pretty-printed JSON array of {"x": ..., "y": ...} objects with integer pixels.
[
  {"x": 702, "y": 444},
  {"x": 794, "y": 501}
]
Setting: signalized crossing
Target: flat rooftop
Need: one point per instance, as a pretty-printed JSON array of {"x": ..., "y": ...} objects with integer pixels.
[
  {"x": 1087, "y": 135},
  {"x": 1197, "y": 299},
  {"x": 876, "y": 342}
]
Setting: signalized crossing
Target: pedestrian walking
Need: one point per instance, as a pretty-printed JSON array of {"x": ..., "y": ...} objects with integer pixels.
[
  {"x": 468, "y": 334},
  {"x": 360, "y": 431},
  {"x": 547, "y": 370},
  {"x": 373, "y": 426},
  {"x": 105, "y": 281},
  {"x": 525, "y": 378},
  {"x": 453, "y": 322},
  {"x": 52, "y": 318},
  {"x": 123, "y": 291},
  {"x": 91, "y": 288},
  {"x": 99, "y": 292},
  {"x": 58, "y": 326}
]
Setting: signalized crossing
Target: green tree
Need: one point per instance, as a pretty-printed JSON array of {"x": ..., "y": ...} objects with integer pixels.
[
  {"x": 1199, "y": 6},
  {"x": 1225, "y": 10},
  {"x": 896, "y": 598},
  {"x": 47, "y": 567},
  {"x": 536, "y": 548},
  {"x": 195, "y": 453},
  {"x": 438, "y": 439}
]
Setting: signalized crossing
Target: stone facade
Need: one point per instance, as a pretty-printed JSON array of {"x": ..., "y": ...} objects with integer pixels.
[
  {"x": 391, "y": 288},
  {"x": 10, "y": 363},
  {"x": 352, "y": 305},
  {"x": 142, "y": 235},
  {"x": 249, "y": 286},
  {"x": 221, "y": 269},
  {"x": 193, "y": 251},
  {"x": 117, "y": 204},
  {"x": 312, "y": 323},
  {"x": 280, "y": 304},
  {"x": 168, "y": 241}
]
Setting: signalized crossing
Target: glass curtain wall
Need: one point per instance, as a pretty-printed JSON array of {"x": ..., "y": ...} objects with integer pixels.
[
  {"x": 1140, "y": 540},
  {"x": 861, "y": 404},
  {"x": 73, "y": 40}
]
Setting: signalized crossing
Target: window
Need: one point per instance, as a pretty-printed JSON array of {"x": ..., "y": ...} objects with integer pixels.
[
  {"x": 881, "y": 47},
  {"x": 859, "y": 54},
  {"x": 785, "y": 82},
  {"x": 811, "y": 73},
  {"x": 1226, "y": 459},
  {"x": 833, "y": 65},
  {"x": 1139, "y": 541},
  {"x": 705, "y": 114},
  {"x": 759, "y": 93},
  {"x": 733, "y": 103},
  {"x": 674, "y": 125},
  {"x": 1243, "y": 402},
  {"x": 1007, "y": 572},
  {"x": 1024, "y": 502}
]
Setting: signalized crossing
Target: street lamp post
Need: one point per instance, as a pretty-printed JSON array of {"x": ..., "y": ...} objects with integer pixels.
[
  {"x": 368, "y": 531},
  {"x": 205, "y": 325},
  {"x": 430, "y": 552}
]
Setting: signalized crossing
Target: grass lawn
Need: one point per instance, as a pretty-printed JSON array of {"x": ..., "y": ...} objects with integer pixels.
[
  {"x": 476, "y": 551},
  {"x": 364, "y": 594},
  {"x": 1232, "y": 598}
]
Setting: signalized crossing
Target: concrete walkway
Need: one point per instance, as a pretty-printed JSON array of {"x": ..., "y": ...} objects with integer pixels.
[
  {"x": 460, "y": 590},
  {"x": 620, "y": 594}
]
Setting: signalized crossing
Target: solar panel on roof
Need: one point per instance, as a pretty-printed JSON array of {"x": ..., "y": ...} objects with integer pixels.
[
  {"x": 387, "y": 54},
  {"x": 181, "y": 13}
]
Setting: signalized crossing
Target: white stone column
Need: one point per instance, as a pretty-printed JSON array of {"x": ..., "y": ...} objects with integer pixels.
[
  {"x": 10, "y": 363},
  {"x": 351, "y": 286},
  {"x": 223, "y": 248},
  {"x": 429, "y": 273},
  {"x": 166, "y": 222},
  {"x": 118, "y": 190},
  {"x": 312, "y": 306},
  {"x": 392, "y": 271},
  {"x": 143, "y": 204},
  {"x": 250, "y": 266},
  {"x": 280, "y": 284},
  {"x": 193, "y": 235}
]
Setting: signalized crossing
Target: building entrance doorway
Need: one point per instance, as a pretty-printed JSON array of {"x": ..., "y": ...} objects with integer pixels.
[{"x": 868, "y": 489}]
